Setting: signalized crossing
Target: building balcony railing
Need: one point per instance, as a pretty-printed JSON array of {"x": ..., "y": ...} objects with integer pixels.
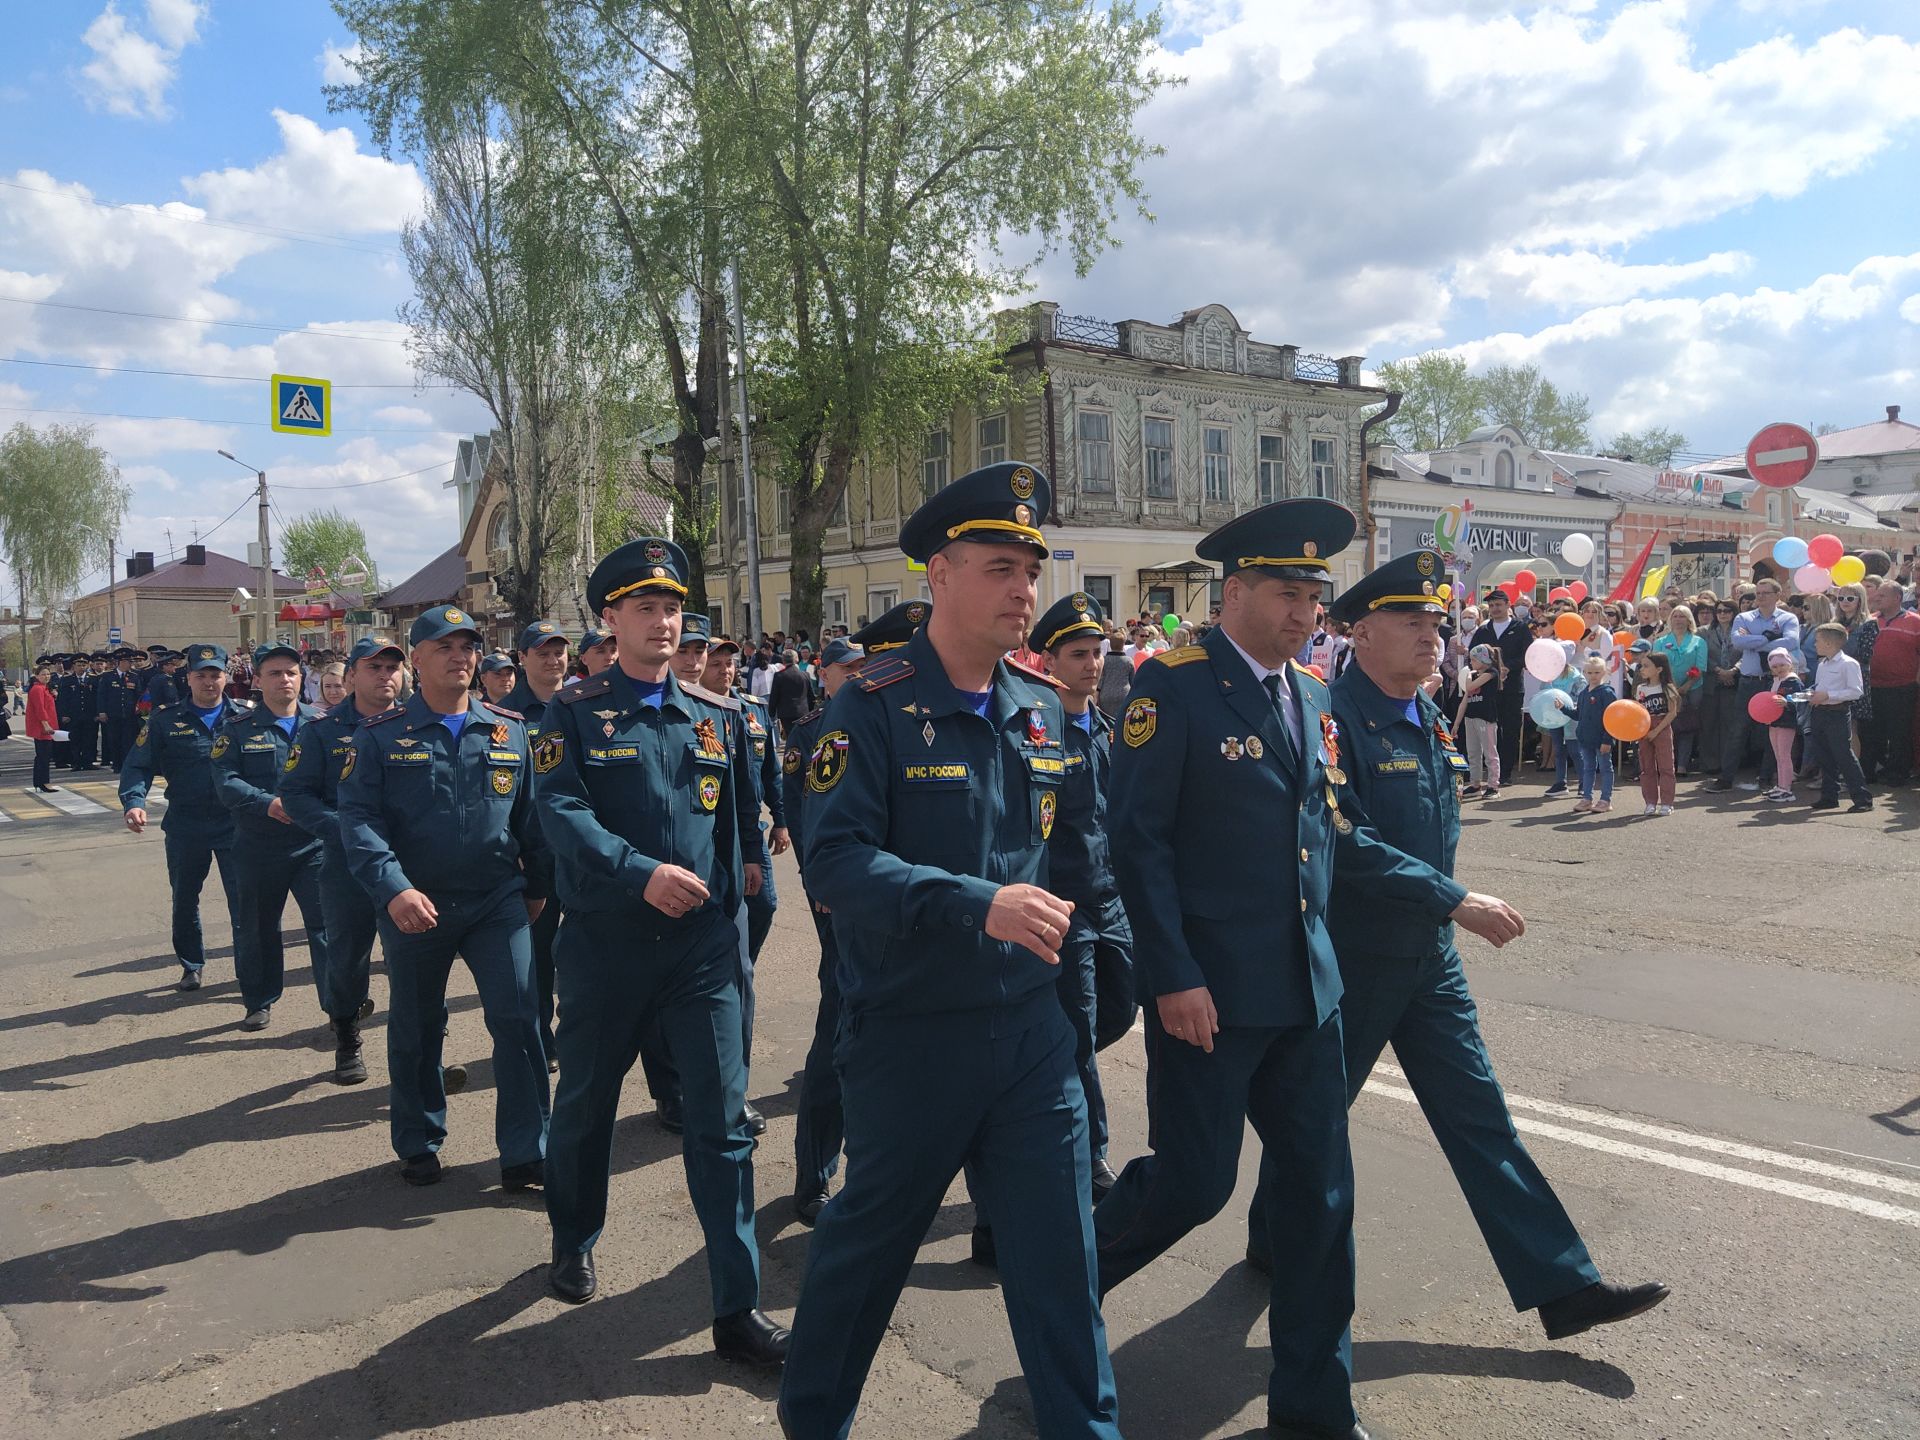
[
  {"x": 1324, "y": 368},
  {"x": 1086, "y": 330},
  {"x": 1155, "y": 343}
]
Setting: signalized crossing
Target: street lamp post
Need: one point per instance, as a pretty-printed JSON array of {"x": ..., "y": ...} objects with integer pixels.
[{"x": 266, "y": 552}]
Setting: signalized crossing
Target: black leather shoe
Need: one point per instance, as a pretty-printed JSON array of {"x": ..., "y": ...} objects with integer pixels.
[
  {"x": 1305, "y": 1430},
  {"x": 453, "y": 1078},
  {"x": 523, "y": 1177},
  {"x": 421, "y": 1170},
  {"x": 1103, "y": 1180},
  {"x": 1601, "y": 1303},
  {"x": 349, "y": 1067},
  {"x": 667, "y": 1112},
  {"x": 189, "y": 980},
  {"x": 1824, "y": 805},
  {"x": 366, "y": 1009},
  {"x": 257, "y": 1019},
  {"x": 808, "y": 1207},
  {"x": 1259, "y": 1260},
  {"x": 751, "y": 1338},
  {"x": 1860, "y": 807},
  {"x": 756, "y": 1122},
  {"x": 571, "y": 1277},
  {"x": 985, "y": 1253}
]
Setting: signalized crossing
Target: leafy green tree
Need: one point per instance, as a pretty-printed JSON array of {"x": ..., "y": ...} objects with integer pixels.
[
  {"x": 327, "y": 539},
  {"x": 61, "y": 507},
  {"x": 1518, "y": 395},
  {"x": 1654, "y": 445},
  {"x": 1440, "y": 402}
]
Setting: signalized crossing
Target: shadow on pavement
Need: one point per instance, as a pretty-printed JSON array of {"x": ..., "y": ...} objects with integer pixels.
[{"x": 1390, "y": 1359}]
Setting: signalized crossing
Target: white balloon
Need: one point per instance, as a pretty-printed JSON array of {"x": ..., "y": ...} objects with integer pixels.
[
  {"x": 1546, "y": 659},
  {"x": 1577, "y": 550}
]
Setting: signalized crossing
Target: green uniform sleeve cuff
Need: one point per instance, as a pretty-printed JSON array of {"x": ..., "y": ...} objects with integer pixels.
[{"x": 972, "y": 902}]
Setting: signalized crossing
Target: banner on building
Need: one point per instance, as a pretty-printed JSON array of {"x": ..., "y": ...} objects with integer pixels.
[{"x": 1696, "y": 565}]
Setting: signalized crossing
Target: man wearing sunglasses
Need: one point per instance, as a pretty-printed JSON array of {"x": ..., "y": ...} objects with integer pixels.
[{"x": 1722, "y": 720}]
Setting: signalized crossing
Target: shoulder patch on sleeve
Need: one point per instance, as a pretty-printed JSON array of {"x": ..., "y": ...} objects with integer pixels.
[
  {"x": 1184, "y": 655},
  {"x": 502, "y": 710},
  {"x": 883, "y": 672},
  {"x": 712, "y": 697},
  {"x": 585, "y": 690}
]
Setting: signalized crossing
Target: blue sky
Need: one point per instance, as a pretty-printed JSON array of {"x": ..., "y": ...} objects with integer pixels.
[{"x": 1701, "y": 213}]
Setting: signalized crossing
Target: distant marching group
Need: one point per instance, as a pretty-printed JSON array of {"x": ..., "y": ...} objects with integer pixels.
[{"x": 967, "y": 827}]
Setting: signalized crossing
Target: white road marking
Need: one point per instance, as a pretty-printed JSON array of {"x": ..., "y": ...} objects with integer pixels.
[
  {"x": 1856, "y": 1155},
  {"x": 1731, "y": 1148},
  {"x": 66, "y": 802},
  {"x": 1773, "y": 1184},
  {"x": 5, "y": 819}
]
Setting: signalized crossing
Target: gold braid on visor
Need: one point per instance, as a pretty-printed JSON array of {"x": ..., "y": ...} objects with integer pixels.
[
  {"x": 1018, "y": 532},
  {"x": 661, "y": 581},
  {"x": 1250, "y": 562},
  {"x": 1091, "y": 627}
]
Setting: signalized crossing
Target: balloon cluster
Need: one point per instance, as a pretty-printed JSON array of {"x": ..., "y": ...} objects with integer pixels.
[
  {"x": 1576, "y": 592},
  {"x": 1818, "y": 563}
]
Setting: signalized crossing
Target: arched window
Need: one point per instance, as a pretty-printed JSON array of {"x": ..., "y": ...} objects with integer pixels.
[
  {"x": 1503, "y": 471},
  {"x": 498, "y": 534}
]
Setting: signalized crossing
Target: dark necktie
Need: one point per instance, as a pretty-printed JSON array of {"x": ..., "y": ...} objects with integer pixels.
[{"x": 1271, "y": 684}]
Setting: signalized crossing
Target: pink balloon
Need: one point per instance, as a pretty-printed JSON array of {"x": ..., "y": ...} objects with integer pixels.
[
  {"x": 1559, "y": 593},
  {"x": 1579, "y": 590},
  {"x": 1765, "y": 708},
  {"x": 1825, "y": 550},
  {"x": 1811, "y": 579}
]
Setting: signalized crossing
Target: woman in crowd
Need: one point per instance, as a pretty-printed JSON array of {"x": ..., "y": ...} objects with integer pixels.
[
  {"x": 333, "y": 683},
  {"x": 1686, "y": 656},
  {"x": 1850, "y": 608},
  {"x": 42, "y": 720}
]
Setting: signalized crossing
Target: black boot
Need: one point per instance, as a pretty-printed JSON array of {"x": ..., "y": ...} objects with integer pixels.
[
  {"x": 750, "y": 1337},
  {"x": 348, "y": 1067},
  {"x": 571, "y": 1276},
  {"x": 1602, "y": 1303}
]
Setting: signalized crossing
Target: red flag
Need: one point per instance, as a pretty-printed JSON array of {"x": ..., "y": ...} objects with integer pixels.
[{"x": 1630, "y": 582}]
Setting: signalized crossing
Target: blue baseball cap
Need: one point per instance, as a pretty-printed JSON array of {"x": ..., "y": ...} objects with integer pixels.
[
  {"x": 440, "y": 622},
  {"x": 496, "y": 662},
  {"x": 372, "y": 645},
  {"x": 264, "y": 653},
  {"x": 694, "y": 629},
  {"x": 593, "y": 638},
  {"x": 206, "y": 657},
  {"x": 840, "y": 651},
  {"x": 540, "y": 632}
]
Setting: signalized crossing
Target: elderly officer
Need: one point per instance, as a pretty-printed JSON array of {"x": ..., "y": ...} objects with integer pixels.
[
  {"x": 818, "y": 1124},
  {"x": 543, "y": 669},
  {"x": 117, "y": 692},
  {"x": 177, "y": 742},
  {"x": 933, "y": 792},
  {"x": 646, "y": 794},
  {"x": 310, "y": 792},
  {"x": 272, "y": 855},
  {"x": 437, "y": 820},
  {"x": 1404, "y": 979},
  {"x": 1230, "y": 923}
]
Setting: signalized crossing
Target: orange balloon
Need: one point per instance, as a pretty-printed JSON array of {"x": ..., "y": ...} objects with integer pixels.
[
  {"x": 1627, "y": 720},
  {"x": 1569, "y": 627},
  {"x": 1624, "y": 638}
]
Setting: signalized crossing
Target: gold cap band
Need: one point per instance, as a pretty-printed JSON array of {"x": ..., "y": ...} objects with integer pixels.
[
  {"x": 1019, "y": 532},
  {"x": 1404, "y": 600},
  {"x": 877, "y": 649},
  {"x": 1249, "y": 562},
  {"x": 1090, "y": 626},
  {"x": 647, "y": 584}
]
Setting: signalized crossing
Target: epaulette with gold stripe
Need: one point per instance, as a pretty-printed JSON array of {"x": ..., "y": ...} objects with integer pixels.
[
  {"x": 878, "y": 674},
  {"x": 1184, "y": 655},
  {"x": 502, "y": 710},
  {"x": 1039, "y": 677},
  {"x": 1305, "y": 670},
  {"x": 712, "y": 697}
]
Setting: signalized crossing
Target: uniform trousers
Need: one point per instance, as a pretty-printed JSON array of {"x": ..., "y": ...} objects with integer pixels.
[
  {"x": 656, "y": 1048},
  {"x": 1291, "y": 1083},
  {"x": 489, "y": 932},
  {"x": 190, "y": 855},
  {"x": 542, "y": 935},
  {"x": 995, "y": 1090},
  {"x": 265, "y": 875},
  {"x": 1422, "y": 1005},
  {"x": 86, "y": 742},
  {"x": 1077, "y": 987},
  {"x": 118, "y": 732},
  {"x": 820, "y": 1126},
  {"x": 760, "y": 910},
  {"x": 348, "y": 912},
  {"x": 618, "y": 976}
]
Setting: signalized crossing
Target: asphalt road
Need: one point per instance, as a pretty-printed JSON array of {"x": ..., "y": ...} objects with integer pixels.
[{"x": 1708, "y": 1033}]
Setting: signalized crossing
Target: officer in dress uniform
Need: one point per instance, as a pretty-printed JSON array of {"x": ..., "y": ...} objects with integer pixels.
[
  {"x": 86, "y": 710},
  {"x": 118, "y": 692},
  {"x": 437, "y": 820},
  {"x": 543, "y": 669},
  {"x": 934, "y": 789},
  {"x": 310, "y": 791},
  {"x": 1229, "y": 916},
  {"x": 818, "y": 1124},
  {"x": 176, "y": 741},
  {"x": 65, "y": 752},
  {"x": 646, "y": 794},
  {"x": 1404, "y": 979}
]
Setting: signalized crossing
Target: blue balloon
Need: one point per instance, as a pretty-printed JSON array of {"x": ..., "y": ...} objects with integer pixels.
[
  {"x": 1549, "y": 709},
  {"x": 1790, "y": 552}
]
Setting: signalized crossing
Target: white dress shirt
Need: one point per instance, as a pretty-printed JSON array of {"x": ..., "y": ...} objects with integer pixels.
[{"x": 1260, "y": 673}]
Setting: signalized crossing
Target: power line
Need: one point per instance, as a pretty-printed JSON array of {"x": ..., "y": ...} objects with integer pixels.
[
  {"x": 276, "y": 329},
  {"x": 361, "y": 484},
  {"x": 209, "y": 375},
  {"x": 198, "y": 420},
  {"x": 297, "y": 237}
]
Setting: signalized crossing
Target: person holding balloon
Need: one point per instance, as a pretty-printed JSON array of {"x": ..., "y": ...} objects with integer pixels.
[
  {"x": 1754, "y": 633},
  {"x": 1784, "y": 725},
  {"x": 1655, "y": 692}
]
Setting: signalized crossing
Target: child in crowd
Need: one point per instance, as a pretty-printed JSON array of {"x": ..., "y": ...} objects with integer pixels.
[
  {"x": 1781, "y": 732},
  {"x": 1655, "y": 690},
  {"x": 1590, "y": 734},
  {"x": 1479, "y": 719},
  {"x": 1836, "y": 685},
  {"x": 1565, "y": 747}
]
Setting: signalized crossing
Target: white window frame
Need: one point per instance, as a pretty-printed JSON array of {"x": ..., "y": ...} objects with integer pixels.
[
  {"x": 880, "y": 599},
  {"x": 1171, "y": 488},
  {"x": 785, "y": 626},
  {"x": 1270, "y": 475},
  {"x": 993, "y": 454},
  {"x": 936, "y": 461},
  {"x": 1091, "y": 483},
  {"x": 1216, "y": 465},
  {"x": 1323, "y": 475},
  {"x": 828, "y": 599}
]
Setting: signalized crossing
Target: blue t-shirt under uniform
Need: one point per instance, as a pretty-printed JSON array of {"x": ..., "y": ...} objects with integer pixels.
[
  {"x": 455, "y": 723},
  {"x": 979, "y": 701},
  {"x": 208, "y": 718},
  {"x": 647, "y": 692}
]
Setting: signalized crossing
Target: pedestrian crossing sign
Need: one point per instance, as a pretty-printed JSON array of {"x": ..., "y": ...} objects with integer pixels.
[{"x": 302, "y": 405}]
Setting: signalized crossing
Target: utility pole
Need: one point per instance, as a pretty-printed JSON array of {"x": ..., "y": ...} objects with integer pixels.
[
  {"x": 756, "y": 620},
  {"x": 264, "y": 630}
]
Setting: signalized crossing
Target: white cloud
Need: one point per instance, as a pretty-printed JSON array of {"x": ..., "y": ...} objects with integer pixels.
[
  {"x": 402, "y": 415},
  {"x": 1582, "y": 277},
  {"x": 130, "y": 72},
  {"x": 318, "y": 173},
  {"x": 337, "y": 63}
]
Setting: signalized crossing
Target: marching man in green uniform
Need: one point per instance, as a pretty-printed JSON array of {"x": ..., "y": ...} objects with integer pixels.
[
  {"x": 646, "y": 801},
  {"x": 818, "y": 1125},
  {"x": 933, "y": 791},
  {"x": 437, "y": 820},
  {"x": 1228, "y": 826},
  {"x": 543, "y": 669},
  {"x": 273, "y": 857},
  {"x": 310, "y": 791},
  {"x": 1403, "y": 977},
  {"x": 176, "y": 741}
]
